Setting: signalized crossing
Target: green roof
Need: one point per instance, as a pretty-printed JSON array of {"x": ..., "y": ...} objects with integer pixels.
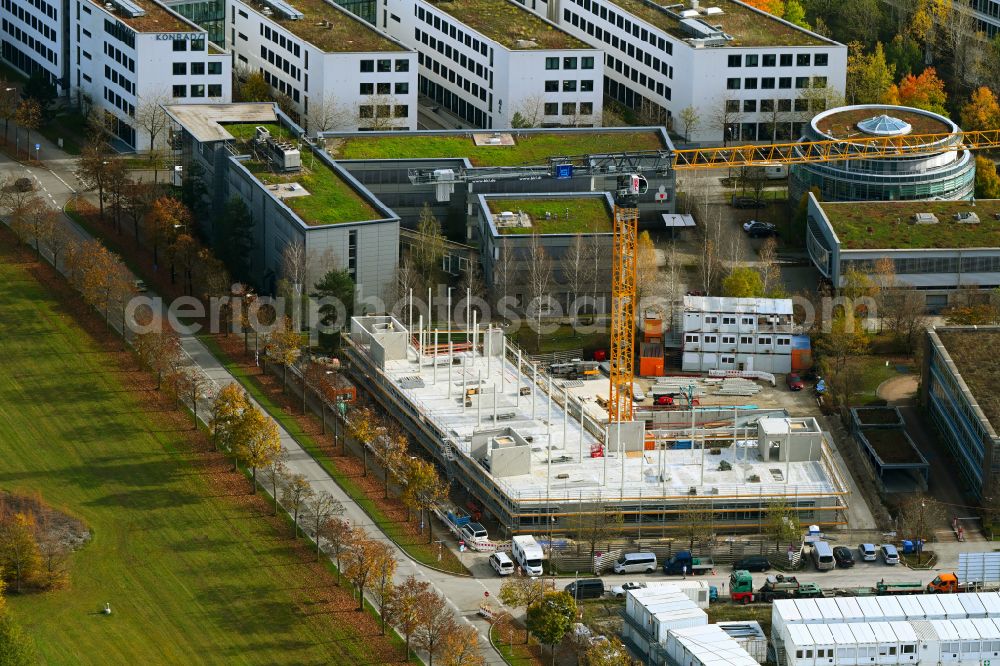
[
  {"x": 975, "y": 355},
  {"x": 529, "y": 147},
  {"x": 509, "y": 24},
  {"x": 345, "y": 34},
  {"x": 876, "y": 225},
  {"x": 746, "y": 26},
  {"x": 585, "y": 214}
]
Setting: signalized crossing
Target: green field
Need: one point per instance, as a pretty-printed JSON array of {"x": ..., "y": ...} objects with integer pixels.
[
  {"x": 585, "y": 214},
  {"x": 193, "y": 573}
]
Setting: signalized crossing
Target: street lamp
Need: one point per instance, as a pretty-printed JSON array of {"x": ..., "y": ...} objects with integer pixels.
[{"x": 6, "y": 121}]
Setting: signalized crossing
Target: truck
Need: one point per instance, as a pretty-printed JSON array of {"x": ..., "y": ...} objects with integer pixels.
[
  {"x": 947, "y": 583},
  {"x": 684, "y": 562},
  {"x": 575, "y": 369},
  {"x": 786, "y": 587},
  {"x": 527, "y": 554}
]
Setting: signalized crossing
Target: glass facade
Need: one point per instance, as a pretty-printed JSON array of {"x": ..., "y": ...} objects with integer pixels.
[{"x": 208, "y": 14}]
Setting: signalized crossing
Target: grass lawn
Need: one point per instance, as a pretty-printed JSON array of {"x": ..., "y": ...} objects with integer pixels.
[
  {"x": 529, "y": 148},
  {"x": 586, "y": 214},
  {"x": 878, "y": 225},
  {"x": 193, "y": 570},
  {"x": 508, "y": 24},
  {"x": 330, "y": 199}
]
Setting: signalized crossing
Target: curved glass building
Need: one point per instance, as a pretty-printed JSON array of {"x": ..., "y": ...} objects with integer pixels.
[{"x": 949, "y": 174}]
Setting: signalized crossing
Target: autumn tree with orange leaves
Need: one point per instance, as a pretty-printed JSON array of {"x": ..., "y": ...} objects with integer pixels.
[
  {"x": 924, "y": 91},
  {"x": 982, "y": 112},
  {"x": 166, "y": 217}
]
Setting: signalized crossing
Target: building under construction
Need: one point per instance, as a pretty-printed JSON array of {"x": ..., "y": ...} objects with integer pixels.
[{"x": 531, "y": 451}]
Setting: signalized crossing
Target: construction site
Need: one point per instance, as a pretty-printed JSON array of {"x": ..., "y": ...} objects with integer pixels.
[{"x": 539, "y": 454}]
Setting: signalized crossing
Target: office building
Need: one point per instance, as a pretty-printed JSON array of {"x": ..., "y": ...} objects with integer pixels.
[
  {"x": 487, "y": 60},
  {"x": 722, "y": 333},
  {"x": 744, "y": 74},
  {"x": 337, "y": 72}
]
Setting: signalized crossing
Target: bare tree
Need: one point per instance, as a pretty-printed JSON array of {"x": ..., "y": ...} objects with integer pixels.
[
  {"x": 151, "y": 116},
  {"x": 726, "y": 118},
  {"x": 539, "y": 281},
  {"x": 691, "y": 119},
  {"x": 378, "y": 113},
  {"x": 574, "y": 266},
  {"x": 815, "y": 99},
  {"x": 321, "y": 508},
  {"x": 503, "y": 272},
  {"x": 274, "y": 475},
  {"x": 326, "y": 114},
  {"x": 529, "y": 113},
  {"x": 596, "y": 258},
  {"x": 770, "y": 273},
  {"x": 293, "y": 265},
  {"x": 296, "y": 493}
]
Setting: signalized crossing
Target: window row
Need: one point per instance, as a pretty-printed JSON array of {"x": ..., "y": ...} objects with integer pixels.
[
  {"x": 384, "y": 88},
  {"x": 371, "y": 111},
  {"x": 460, "y": 105},
  {"x": 570, "y": 62},
  {"x": 119, "y": 57},
  {"x": 713, "y": 339},
  {"x": 569, "y": 109},
  {"x": 279, "y": 39},
  {"x": 452, "y": 76},
  {"x": 119, "y": 79},
  {"x": 454, "y": 55},
  {"x": 40, "y": 5},
  {"x": 279, "y": 62},
  {"x": 197, "y": 68},
  {"x": 570, "y": 85},
  {"x": 785, "y": 105},
  {"x": 385, "y": 65},
  {"x": 121, "y": 32},
  {"x": 647, "y": 82},
  {"x": 623, "y": 22},
  {"x": 35, "y": 45},
  {"x": 198, "y": 90},
  {"x": 652, "y": 112},
  {"x": 119, "y": 101},
  {"x": 197, "y": 45},
  {"x": 624, "y": 45},
  {"x": 279, "y": 84},
  {"x": 448, "y": 28},
  {"x": 779, "y": 60},
  {"x": 783, "y": 82},
  {"x": 34, "y": 21}
]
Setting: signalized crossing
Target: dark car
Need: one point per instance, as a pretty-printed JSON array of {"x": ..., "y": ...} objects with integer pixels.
[
  {"x": 752, "y": 563},
  {"x": 760, "y": 229},
  {"x": 586, "y": 588},
  {"x": 843, "y": 557},
  {"x": 747, "y": 202},
  {"x": 794, "y": 382}
]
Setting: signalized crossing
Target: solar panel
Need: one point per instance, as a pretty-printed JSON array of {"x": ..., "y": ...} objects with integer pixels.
[{"x": 285, "y": 9}]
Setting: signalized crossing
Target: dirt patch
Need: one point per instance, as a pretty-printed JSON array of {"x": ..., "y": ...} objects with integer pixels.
[
  {"x": 900, "y": 389},
  {"x": 891, "y": 445},
  {"x": 65, "y": 530}
]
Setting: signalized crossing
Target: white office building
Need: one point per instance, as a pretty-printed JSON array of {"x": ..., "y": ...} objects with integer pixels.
[
  {"x": 987, "y": 15},
  {"x": 737, "y": 334},
  {"x": 33, "y": 39},
  {"x": 485, "y": 60},
  {"x": 744, "y": 72},
  {"x": 339, "y": 73}
]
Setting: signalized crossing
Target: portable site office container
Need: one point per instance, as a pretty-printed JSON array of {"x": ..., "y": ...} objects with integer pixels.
[
  {"x": 972, "y": 605},
  {"x": 749, "y": 636},
  {"x": 991, "y": 602},
  {"x": 783, "y": 611},
  {"x": 644, "y": 614},
  {"x": 931, "y": 606},
  {"x": 912, "y": 609},
  {"x": 848, "y": 643},
  {"x": 891, "y": 610},
  {"x": 665, "y": 622},
  {"x": 829, "y": 609},
  {"x": 850, "y": 611},
  {"x": 645, "y": 597},
  {"x": 706, "y": 646},
  {"x": 953, "y": 608}
]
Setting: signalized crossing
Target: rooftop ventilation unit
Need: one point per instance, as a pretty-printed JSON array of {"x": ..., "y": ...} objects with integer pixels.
[
  {"x": 966, "y": 218},
  {"x": 285, "y": 9},
  {"x": 128, "y": 8},
  {"x": 689, "y": 13},
  {"x": 713, "y": 11},
  {"x": 282, "y": 154},
  {"x": 924, "y": 218}
]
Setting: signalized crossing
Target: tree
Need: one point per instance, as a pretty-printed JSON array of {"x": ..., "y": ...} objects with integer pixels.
[
  {"x": 62, "y": 237},
  {"x": 551, "y": 619},
  {"x": 783, "y": 522},
  {"x": 608, "y": 653},
  {"x": 503, "y": 272},
  {"x": 424, "y": 490},
  {"x": 435, "y": 622},
  {"x": 41, "y": 220},
  {"x": 284, "y": 346},
  {"x": 152, "y": 117},
  {"x": 376, "y": 114},
  {"x": 647, "y": 272},
  {"x": 691, "y": 119},
  {"x": 29, "y": 117},
  {"x": 919, "y": 517},
  {"x": 339, "y": 536},
  {"x": 773, "y": 7},
  {"x": 406, "y": 600},
  {"x": 359, "y": 562},
  {"x": 522, "y": 592},
  {"x": 166, "y": 216},
  {"x": 253, "y": 88},
  {"x": 390, "y": 450},
  {"x": 924, "y": 91},
  {"x": 770, "y": 272},
  {"x": 382, "y": 588},
  {"x": 20, "y": 560},
  {"x": 227, "y": 410},
  {"x": 743, "y": 282},
  {"x": 726, "y": 118},
  {"x": 190, "y": 386},
  {"x": 981, "y": 112},
  {"x": 987, "y": 180},
  {"x": 529, "y": 113},
  {"x": 39, "y": 90},
  {"x": 183, "y": 253},
  {"x": 294, "y": 495},
  {"x": 461, "y": 647},
  {"x": 257, "y": 440},
  {"x": 159, "y": 350},
  {"x": 93, "y": 167},
  {"x": 795, "y": 13},
  {"x": 697, "y": 522},
  {"x": 275, "y": 472},
  {"x": 326, "y": 114},
  {"x": 16, "y": 648},
  {"x": 904, "y": 313},
  {"x": 322, "y": 507},
  {"x": 137, "y": 201},
  {"x": 115, "y": 190},
  {"x": 539, "y": 282},
  {"x": 428, "y": 250},
  {"x": 336, "y": 287},
  {"x": 8, "y": 104},
  {"x": 596, "y": 526},
  {"x": 869, "y": 76}
]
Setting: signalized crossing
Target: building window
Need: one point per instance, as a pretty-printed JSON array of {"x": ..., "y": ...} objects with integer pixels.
[
  {"x": 767, "y": 83},
  {"x": 728, "y": 320},
  {"x": 711, "y": 319},
  {"x": 586, "y": 108},
  {"x": 383, "y": 88},
  {"x": 551, "y": 109},
  {"x": 802, "y": 59},
  {"x": 819, "y": 82},
  {"x": 785, "y": 82},
  {"x": 711, "y": 339},
  {"x": 750, "y": 84},
  {"x": 770, "y": 60},
  {"x": 735, "y": 61},
  {"x": 569, "y": 109},
  {"x": 215, "y": 68},
  {"x": 198, "y": 45},
  {"x": 180, "y": 91},
  {"x": 732, "y": 106},
  {"x": 729, "y": 339},
  {"x": 198, "y": 90},
  {"x": 786, "y": 59},
  {"x": 801, "y": 81},
  {"x": 401, "y": 111},
  {"x": 385, "y": 65},
  {"x": 367, "y": 89},
  {"x": 366, "y": 111},
  {"x": 569, "y": 86},
  {"x": 691, "y": 338},
  {"x": 180, "y": 68},
  {"x": 732, "y": 84},
  {"x": 764, "y": 340},
  {"x": 801, "y": 104},
  {"x": 569, "y": 63},
  {"x": 367, "y": 65},
  {"x": 766, "y": 105},
  {"x": 820, "y": 60},
  {"x": 382, "y": 111},
  {"x": 588, "y": 62},
  {"x": 402, "y": 88},
  {"x": 746, "y": 340},
  {"x": 180, "y": 45},
  {"x": 551, "y": 86},
  {"x": 215, "y": 90},
  {"x": 749, "y": 106},
  {"x": 751, "y": 60},
  {"x": 402, "y": 65},
  {"x": 586, "y": 86},
  {"x": 552, "y": 63},
  {"x": 784, "y": 105},
  {"x": 198, "y": 69}
]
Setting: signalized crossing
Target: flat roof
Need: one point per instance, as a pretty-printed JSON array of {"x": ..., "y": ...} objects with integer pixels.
[
  {"x": 743, "y": 305},
  {"x": 330, "y": 28},
  {"x": 747, "y": 26},
  {"x": 876, "y": 225},
  {"x": 554, "y": 215},
  {"x": 157, "y": 18},
  {"x": 573, "y": 473},
  {"x": 205, "y": 122},
  {"x": 974, "y": 353},
  {"x": 509, "y": 24},
  {"x": 529, "y": 147},
  {"x": 843, "y": 124}
]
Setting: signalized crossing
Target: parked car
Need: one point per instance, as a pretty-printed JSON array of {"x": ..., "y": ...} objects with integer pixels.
[
  {"x": 752, "y": 563},
  {"x": 635, "y": 563},
  {"x": 760, "y": 229},
  {"x": 794, "y": 382},
  {"x": 502, "y": 563},
  {"x": 586, "y": 588},
  {"x": 867, "y": 552},
  {"x": 747, "y": 202},
  {"x": 620, "y": 590},
  {"x": 843, "y": 557},
  {"x": 889, "y": 554},
  {"x": 637, "y": 393}
]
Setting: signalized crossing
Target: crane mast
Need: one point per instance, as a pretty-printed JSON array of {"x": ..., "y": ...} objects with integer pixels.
[{"x": 623, "y": 296}]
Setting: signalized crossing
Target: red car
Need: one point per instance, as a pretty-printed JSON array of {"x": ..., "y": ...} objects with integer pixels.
[{"x": 794, "y": 382}]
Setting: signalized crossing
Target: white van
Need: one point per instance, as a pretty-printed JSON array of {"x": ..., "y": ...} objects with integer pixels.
[
  {"x": 636, "y": 563},
  {"x": 473, "y": 533},
  {"x": 502, "y": 564},
  {"x": 823, "y": 556},
  {"x": 527, "y": 554}
]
